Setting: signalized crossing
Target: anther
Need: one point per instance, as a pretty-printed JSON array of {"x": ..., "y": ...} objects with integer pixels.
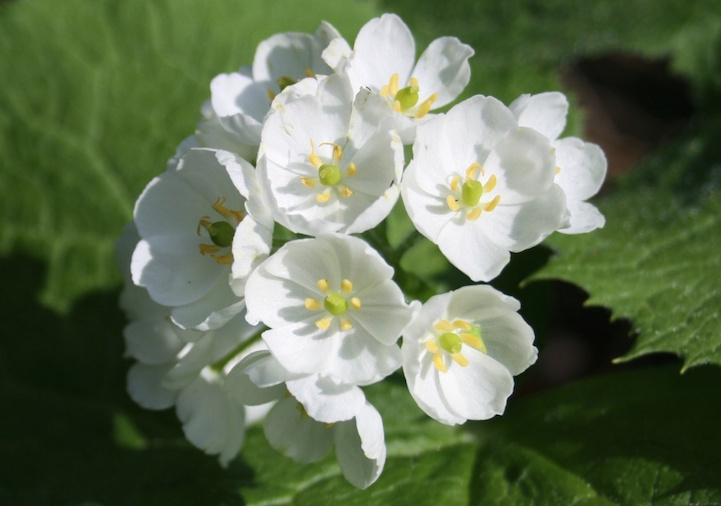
[
  {"x": 308, "y": 182},
  {"x": 472, "y": 170},
  {"x": 396, "y": 106},
  {"x": 284, "y": 82},
  {"x": 226, "y": 259},
  {"x": 312, "y": 304},
  {"x": 345, "y": 192},
  {"x": 474, "y": 215},
  {"x": 490, "y": 184},
  {"x": 355, "y": 302},
  {"x": 352, "y": 169},
  {"x": 313, "y": 158},
  {"x": 492, "y": 204},
  {"x": 346, "y": 285},
  {"x": 323, "y": 196},
  {"x": 474, "y": 342},
  {"x": 459, "y": 359},
  {"x": 226, "y": 213},
  {"x": 271, "y": 94},
  {"x": 345, "y": 325},
  {"x": 208, "y": 248},
  {"x": 462, "y": 324},
  {"x": 323, "y": 285},
  {"x": 431, "y": 346},
  {"x": 454, "y": 183},
  {"x": 393, "y": 84},
  {"x": 426, "y": 106},
  {"x": 452, "y": 203},
  {"x": 309, "y": 72},
  {"x": 558, "y": 169},
  {"x": 323, "y": 323},
  {"x": 439, "y": 362},
  {"x": 443, "y": 325}
]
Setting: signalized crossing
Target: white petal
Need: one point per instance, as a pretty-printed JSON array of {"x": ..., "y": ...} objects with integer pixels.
[
  {"x": 211, "y": 311},
  {"x": 145, "y": 388},
  {"x": 384, "y": 46},
  {"x": 337, "y": 52},
  {"x": 288, "y": 55},
  {"x": 302, "y": 347},
  {"x": 298, "y": 437},
  {"x": 256, "y": 380},
  {"x": 467, "y": 247},
  {"x": 326, "y": 401},
  {"x": 151, "y": 340},
  {"x": 443, "y": 68},
  {"x": 584, "y": 218},
  {"x": 252, "y": 242},
  {"x": 360, "y": 447},
  {"x": 544, "y": 112},
  {"x": 582, "y": 167},
  {"x": 235, "y": 93}
]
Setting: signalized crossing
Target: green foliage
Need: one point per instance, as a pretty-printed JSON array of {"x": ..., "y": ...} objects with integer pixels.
[{"x": 96, "y": 95}]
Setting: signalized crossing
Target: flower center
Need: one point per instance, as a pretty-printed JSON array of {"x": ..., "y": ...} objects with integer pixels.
[
  {"x": 220, "y": 232},
  {"x": 469, "y": 194},
  {"x": 405, "y": 100},
  {"x": 447, "y": 345},
  {"x": 330, "y": 174},
  {"x": 335, "y": 303}
]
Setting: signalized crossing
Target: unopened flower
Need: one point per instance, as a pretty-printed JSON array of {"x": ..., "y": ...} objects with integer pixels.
[
  {"x": 580, "y": 166},
  {"x": 461, "y": 352},
  {"x": 480, "y": 186},
  {"x": 332, "y": 309},
  {"x": 383, "y": 60}
]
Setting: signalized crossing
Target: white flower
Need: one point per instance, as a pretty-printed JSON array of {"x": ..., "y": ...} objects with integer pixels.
[
  {"x": 192, "y": 221},
  {"x": 332, "y": 309},
  {"x": 315, "y": 416},
  {"x": 325, "y": 164},
  {"x": 580, "y": 166},
  {"x": 461, "y": 352},
  {"x": 383, "y": 60},
  {"x": 240, "y": 100},
  {"x": 480, "y": 186}
]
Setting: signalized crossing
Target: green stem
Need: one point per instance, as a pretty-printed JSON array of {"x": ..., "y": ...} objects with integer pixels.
[{"x": 220, "y": 364}]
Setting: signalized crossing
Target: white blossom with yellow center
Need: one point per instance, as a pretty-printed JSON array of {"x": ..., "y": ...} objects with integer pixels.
[
  {"x": 383, "y": 60},
  {"x": 461, "y": 352},
  {"x": 325, "y": 163},
  {"x": 580, "y": 166},
  {"x": 332, "y": 309},
  {"x": 189, "y": 220},
  {"x": 480, "y": 186}
]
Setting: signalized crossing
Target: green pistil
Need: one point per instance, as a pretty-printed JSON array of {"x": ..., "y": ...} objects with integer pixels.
[
  {"x": 450, "y": 342},
  {"x": 284, "y": 82},
  {"x": 471, "y": 192},
  {"x": 335, "y": 304},
  {"x": 221, "y": 233},
  {"x": 329, "y": 174},
  {"x": 407, "y": 97}
]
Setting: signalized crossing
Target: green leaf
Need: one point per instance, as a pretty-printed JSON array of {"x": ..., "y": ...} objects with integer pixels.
[
  {"x": 96, "y": 95},
  {"x": 656, "y": 261}
]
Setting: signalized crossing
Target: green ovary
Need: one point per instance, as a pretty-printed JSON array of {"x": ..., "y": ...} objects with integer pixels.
[
  {"x": 407, "y": 97},
  {"x": 221, "y": 233},
  {"x": 329, "y": 174},
  {"x": 335, "y": 304},
  {"x": 471, "y": 192},
  {"x": 450, "y": 342}
]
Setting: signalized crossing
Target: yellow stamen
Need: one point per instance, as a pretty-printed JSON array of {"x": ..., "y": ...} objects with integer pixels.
[
  {"x": 309, "y": 72},
  {"x": 472, "y": 170},
  {"x": 474, "y": 342},
  {"x": 384, "y": 90},
  {"x": 355, "y": 302},
  {"x": 204, "y": 222},
  {"x": 313, "y": 304},
  {"x": 451, "y": 202},
  {"x": 396, "y": 106},
  {"x": 490, "y": 184},
  {"x": 271, "y": 94},
  {"x": 345, "y": 325},
  {"x": 223, "y": 259},
  {"x": 460, "y": 359},
  {"x": 426, "y": 106},
  {"x": 313, "y": 158},
  {"x": 413, "y": 83},
  {"x": 455, "y": 182},
  {"x": 352, "y": 169},
  {"x": 474, "y": 215},
  {"x": 208, "y": 248},
  {"x": 558, "y": 169},
  {"x": 431, "y": 346},
  {"x": 323, "y": 285},
  {"x": 308, "y": 182},
  {"x": 462, "y": 324},
  {"x": 444, "y": 325},
  {"x": 328, "y": 425},
  {"x": 346, "y": 285},
  {"x": 492, "y": 204},
  {"x": 323, "y": 323},
  {"x": 393, "y": 84},
  {"x": 323, "y": 196},
  {"x": 228, "y": 214},
  {"x": 439, "y": 363},
  {"x": 346, "y": 192}
]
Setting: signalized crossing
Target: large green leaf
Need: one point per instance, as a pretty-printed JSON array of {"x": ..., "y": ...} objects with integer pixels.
[{"x": 96, "y": 95}]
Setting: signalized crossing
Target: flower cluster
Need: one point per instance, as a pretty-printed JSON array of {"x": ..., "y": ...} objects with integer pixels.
[{"x": 254, "y": 288}]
